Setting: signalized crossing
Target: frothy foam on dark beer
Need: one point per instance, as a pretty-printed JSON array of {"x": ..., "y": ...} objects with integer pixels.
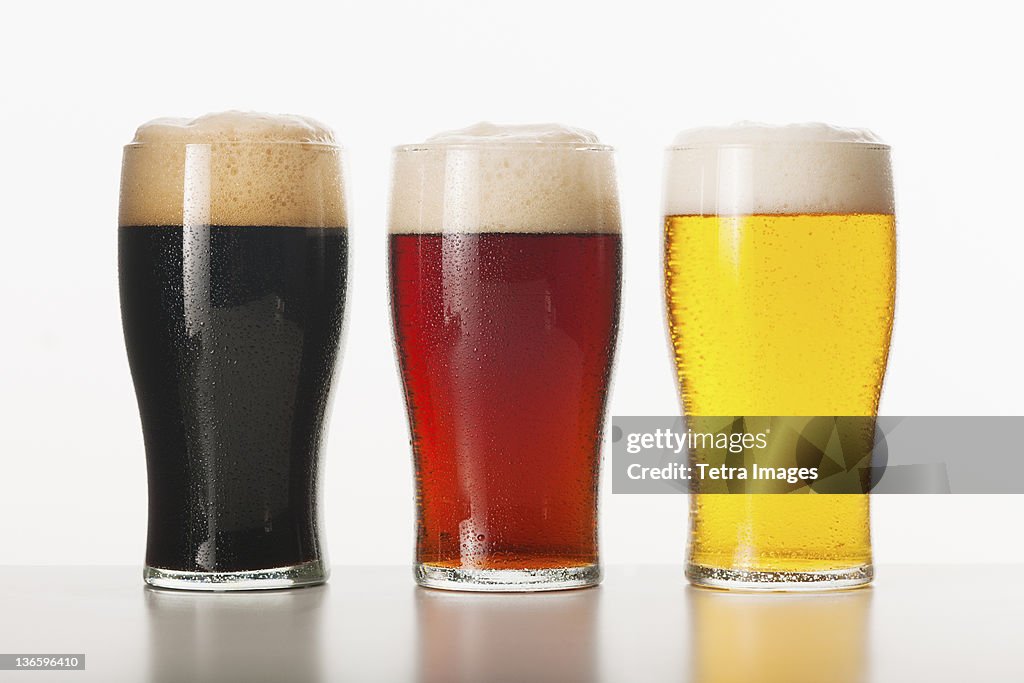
[
  {"x": 233, "y": 168},
  {"x": 540, "y": 178},
  {"x": 790, "y": 169}
]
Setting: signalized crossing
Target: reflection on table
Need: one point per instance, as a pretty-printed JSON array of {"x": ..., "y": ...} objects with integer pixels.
[
  {"x": 788, "y": 638},
  {"x": 508, "y": 637},
  {"x": 916, "y": 623},
  {"x": 251, "y": 636}
]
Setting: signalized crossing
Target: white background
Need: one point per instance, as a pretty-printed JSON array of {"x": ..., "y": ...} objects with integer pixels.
[{"x": 943, "y": 87}]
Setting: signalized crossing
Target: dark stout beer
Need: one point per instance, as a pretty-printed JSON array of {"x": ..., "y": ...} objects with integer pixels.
[
  {"x": 233, "y": 410},
  {"x": 233, "y": 260}
]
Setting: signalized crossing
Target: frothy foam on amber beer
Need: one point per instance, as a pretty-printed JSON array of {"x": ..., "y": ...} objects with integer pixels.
[
  {"x": 243, "y": 168},
  {"x": 754, "y": 168},
  {"x": 542, "y": 178}
]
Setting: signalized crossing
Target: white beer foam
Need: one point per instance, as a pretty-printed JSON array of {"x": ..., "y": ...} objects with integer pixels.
[
  {"x": 792, "y": 169},
  {"x": 541, "y": 178},
  {"x": 526, "y": 133},
  {"x": 233, "y": 168}
]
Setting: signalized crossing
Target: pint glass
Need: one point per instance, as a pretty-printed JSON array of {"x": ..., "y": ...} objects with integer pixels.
[
  {"x": 505, "y": 274},
  {"x": 779, "y": 282},
  {"x": 233, "y": 254}
]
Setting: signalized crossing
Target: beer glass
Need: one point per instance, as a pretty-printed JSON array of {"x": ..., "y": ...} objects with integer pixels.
[
  {"x": 505, "y": 260},
  {"x": 233, "y": 253},
  {"x": 779, "y": 281}
]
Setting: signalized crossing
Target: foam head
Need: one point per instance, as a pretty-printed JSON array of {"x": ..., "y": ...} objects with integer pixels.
[
  {"x": 490, "y": 178},
  {"x": 233, "y": 168},
  {"x": 803, "y": 168}
]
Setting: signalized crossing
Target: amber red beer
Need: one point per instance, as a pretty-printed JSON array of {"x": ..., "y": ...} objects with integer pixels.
[{"x": 505, "y": 275}]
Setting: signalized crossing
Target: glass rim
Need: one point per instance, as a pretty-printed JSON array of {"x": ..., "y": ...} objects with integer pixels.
[
  {"x": 490, "y": 146},
  {"x": 239, "y": 143},
  {"x": 696, "y": 146}
]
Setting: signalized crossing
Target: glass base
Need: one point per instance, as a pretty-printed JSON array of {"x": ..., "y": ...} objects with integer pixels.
[
  {"x": 751, "y": 580},
  {"x": 507, "y": 580},
  {"x": 295, "y": 576}
]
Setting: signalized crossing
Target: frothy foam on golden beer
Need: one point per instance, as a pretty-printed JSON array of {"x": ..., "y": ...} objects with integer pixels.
[
  {"x": 542, "y": 178},
  {"x": 233, "y": 168},
  {"x": 754, "y": 168}
]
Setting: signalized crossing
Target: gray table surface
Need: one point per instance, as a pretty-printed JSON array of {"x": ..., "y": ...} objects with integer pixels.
[{"x": 644, "y": 623}]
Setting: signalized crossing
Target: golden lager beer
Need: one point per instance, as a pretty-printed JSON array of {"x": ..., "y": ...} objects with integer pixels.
[{"x": 780, "y": 280}]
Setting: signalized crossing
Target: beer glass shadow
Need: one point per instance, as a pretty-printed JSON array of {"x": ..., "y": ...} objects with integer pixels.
[
  {"x": 794, "y": 638},
  {"x": 534, "y": 637},
  {"x": 247, "y": 637}
]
